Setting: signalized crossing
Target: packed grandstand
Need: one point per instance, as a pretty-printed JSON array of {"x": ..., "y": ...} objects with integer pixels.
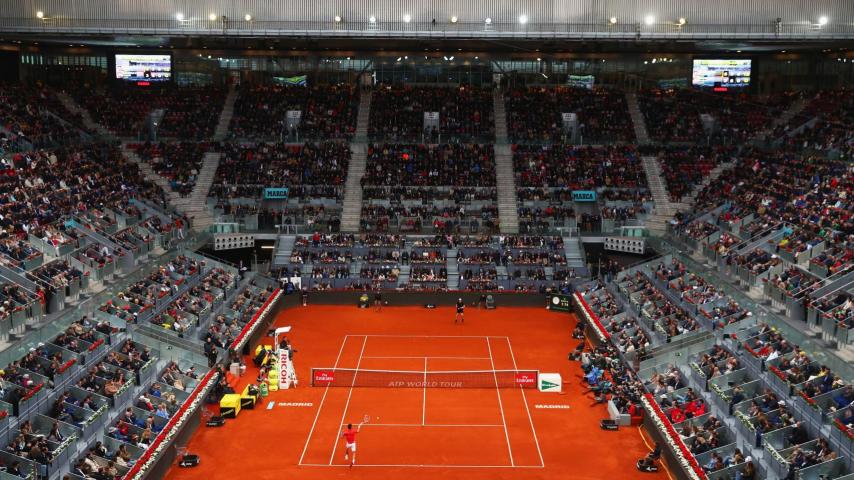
[{"x": 128, "y": 297}]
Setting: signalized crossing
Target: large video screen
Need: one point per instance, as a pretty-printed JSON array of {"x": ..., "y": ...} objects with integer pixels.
[
  {"x": 721, "y": 73},
  {"x": 143, "y": 68}
]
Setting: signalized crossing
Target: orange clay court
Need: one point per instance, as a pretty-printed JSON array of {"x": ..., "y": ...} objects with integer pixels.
[{"x": 417, "y": 432}]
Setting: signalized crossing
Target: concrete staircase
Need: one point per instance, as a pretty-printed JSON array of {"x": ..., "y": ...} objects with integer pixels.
[
  {"x": 221, "y": 130},
  {"x": 664, "y": 209},
  {"x": 363, "y": 118},
  {"x": 352, "y": 212},
  {"x": 76, "y": 109},
  {"x": 195, "y": 205},
  {"x": 637, "y": 118},
  {"x": 284, "y": 248},
  {"x": 453, "y": 268},
  {"x": 574, "y": 253},
  {"x": 403, "y": 276},
  {"x": 508, "y": 210}
]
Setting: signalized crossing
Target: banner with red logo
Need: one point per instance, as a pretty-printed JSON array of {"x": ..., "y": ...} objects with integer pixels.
[
  {"x": 526, "y": 379},
  {"x": 322, "y": 377}
]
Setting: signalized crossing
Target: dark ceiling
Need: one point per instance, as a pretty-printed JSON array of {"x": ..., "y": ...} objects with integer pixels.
[{"x": 354, "y": 46}]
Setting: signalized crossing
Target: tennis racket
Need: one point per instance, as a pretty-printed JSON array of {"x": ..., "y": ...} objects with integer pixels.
[{"x": 365, "y": 419}]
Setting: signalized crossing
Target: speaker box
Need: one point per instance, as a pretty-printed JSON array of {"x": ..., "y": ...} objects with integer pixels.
[
  {"x": 189, "y": 460},
  {"x": 609, "y": 424},
  {"x": 216, "y": 422}
]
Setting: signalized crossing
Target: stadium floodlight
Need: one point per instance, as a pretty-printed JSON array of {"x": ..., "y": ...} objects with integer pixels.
[
  {"x": 407, "y": 18},
  {"x": 454, "y": 19},
  {"x": 523, "y": 19},
  {"x": 649, "y": 20},
  {"x": 822, "y": 20},
  {"x": 179, "y": 16},
  {"x": 487, "y": 21},
  {"x": 613, "y": 20},
  {"x": 40, "y": 14},
  {"x": 682, "y": 21},
  {"x": 373, "y": 19},
  {"x": 248, "y": 17},
  {"x": 212, "y": 17},
  {"x": 338, "y": 19}
]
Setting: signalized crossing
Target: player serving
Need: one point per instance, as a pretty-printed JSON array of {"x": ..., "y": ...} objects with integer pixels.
[{"x": 349, "y": 436}]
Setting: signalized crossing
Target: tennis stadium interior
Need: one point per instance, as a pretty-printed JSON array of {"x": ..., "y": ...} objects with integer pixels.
[{"x": 539, "y": 239}]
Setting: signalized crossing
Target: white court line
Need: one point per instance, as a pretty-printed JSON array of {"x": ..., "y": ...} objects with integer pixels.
[
  {"x": 363, "y": 465},
  {"x": 347, "y": 405},
  {"x": 320, "y": 407},
  {"x": 497, "y": 425},
  {"x": 420, "y": 357},
  {"x": 500, "y": 405},
  {"x": 424, "y": 400},
  {"x": 428, "y": 336},
  {"x": 525, "y": 399}
]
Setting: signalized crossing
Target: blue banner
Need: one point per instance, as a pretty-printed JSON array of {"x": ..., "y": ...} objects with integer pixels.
[
  {"x": 584, "y": 195},
  {"x": 276, "y": 193}
]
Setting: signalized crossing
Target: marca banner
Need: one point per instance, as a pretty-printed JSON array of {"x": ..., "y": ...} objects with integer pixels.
[
  {"x": 583, "y": 195},
  {"x": 560, "y": 303},
  {"x": 550, "y": 382},
  {"x": 526, "y": 379},
  {"x": 582, "y": 81},
  {"x": 322, "y": 377},
  {"x": 296, "y": 81},
  {"x": 276, "y": 193}
]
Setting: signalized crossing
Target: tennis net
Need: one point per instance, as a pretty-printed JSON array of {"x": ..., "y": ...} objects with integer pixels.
[{"x": 347, "y": 377}]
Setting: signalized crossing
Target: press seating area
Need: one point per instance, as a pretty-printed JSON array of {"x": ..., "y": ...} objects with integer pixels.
[
  {"x": 784, "y": 231},
  {"x": 534, "y": 114},
  {"x": 328, "y": 112},
  {"x": 226, "y": 326},
  {"x": 748, "y": 394}
]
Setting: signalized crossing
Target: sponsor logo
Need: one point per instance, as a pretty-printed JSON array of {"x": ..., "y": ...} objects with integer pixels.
[
  {"x": 523, "y": 379},
  {"x": 551, "y": 407},
  {"x": 296, "y": 404},
  {"x": 545, "y": 384},
  {"x": 324, "y": 376},
  {"x": 427, "y": 384}
]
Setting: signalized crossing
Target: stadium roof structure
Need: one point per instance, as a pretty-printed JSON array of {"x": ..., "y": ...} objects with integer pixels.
[{"x": 698, "y": 23}]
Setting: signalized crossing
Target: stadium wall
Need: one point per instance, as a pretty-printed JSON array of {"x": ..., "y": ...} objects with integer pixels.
[{"x": 399, "y": 299}]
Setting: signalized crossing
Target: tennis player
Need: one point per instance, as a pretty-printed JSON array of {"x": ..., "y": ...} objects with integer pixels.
[
  {"x": 378, "y": 300},
  {"x": 349, "y": 437},
  {"x": 461, "y": 308}
]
